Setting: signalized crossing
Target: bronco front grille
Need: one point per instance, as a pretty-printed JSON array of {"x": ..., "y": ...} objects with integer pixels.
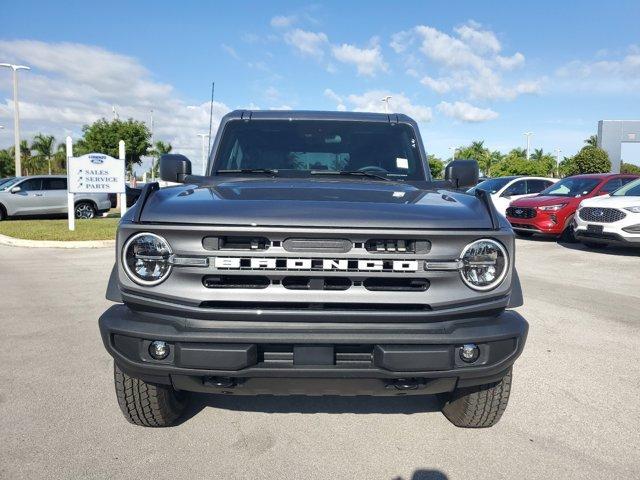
[
  {"x": 521, "y": 212},
  {"x": 601, "y": 215}
]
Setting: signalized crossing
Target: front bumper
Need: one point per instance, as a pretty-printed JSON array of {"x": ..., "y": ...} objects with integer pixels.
[
  {"x": 254, "y": 357},
  {"x": 541, "y": 224}
]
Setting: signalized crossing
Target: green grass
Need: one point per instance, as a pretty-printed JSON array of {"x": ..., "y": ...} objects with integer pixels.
[{"x": 95, "y": 229}]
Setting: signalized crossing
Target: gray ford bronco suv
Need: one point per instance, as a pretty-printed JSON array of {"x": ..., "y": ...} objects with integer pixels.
[{"x": 317, "y": 256}]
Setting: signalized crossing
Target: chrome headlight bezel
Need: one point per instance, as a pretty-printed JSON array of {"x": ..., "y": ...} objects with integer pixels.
[
  {"x": 136, "y": 279},
  {"x": 499, "y": 279}
]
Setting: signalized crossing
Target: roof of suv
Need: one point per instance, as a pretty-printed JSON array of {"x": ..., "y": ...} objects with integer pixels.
[
  {"x": 601, "y": 176},
  {"x": 318, "y": 115}
]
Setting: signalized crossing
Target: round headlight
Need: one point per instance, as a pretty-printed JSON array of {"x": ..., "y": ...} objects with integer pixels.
[
  {"x": 484, "y": 264},
  {"x": 145, "y": 257}
]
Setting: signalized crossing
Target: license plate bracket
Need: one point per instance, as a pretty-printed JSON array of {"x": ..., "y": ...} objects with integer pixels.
[{"x": 595, "y": 228}]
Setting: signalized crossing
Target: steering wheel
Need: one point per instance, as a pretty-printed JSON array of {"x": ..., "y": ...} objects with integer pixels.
[{"x": 373, "y": 169}]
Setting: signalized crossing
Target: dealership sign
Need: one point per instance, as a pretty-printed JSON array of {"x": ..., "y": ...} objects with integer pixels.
[{"x": 96, "y": 173}]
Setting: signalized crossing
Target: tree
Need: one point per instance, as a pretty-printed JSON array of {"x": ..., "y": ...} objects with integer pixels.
[
  {"x": 436, "y": 166},
  {"x": 515, "y": 163},
  {"x": 588, "y": 160},
  {"x": 43, "y": 146},
  {"x": 159, "y": 149},
  {"x": 7, "y": 164},
  {"x": 29, "y": 165},
  {"x": 477, "y": 151},
  {"x": 629, "y": 168},
  {"x": 592, "y": 141},
  {"x": 103, "y": 136}
]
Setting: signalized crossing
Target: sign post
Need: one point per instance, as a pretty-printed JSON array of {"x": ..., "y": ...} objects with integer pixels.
[
  {"x": 94, "y": 173},
  {"x": 70, "y": 197},
  {"x": 123, "y": 195}
]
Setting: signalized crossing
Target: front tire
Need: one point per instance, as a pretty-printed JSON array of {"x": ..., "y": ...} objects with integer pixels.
[
  {"x": 85, "y": 210},
  {"x": 480, "y": 406},
  {"x": 569, "y": 235},
  {"x": 148, "y": 404}
]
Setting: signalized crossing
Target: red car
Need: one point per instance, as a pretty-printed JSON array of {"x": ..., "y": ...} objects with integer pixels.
[{"x": 551, "y": 211}]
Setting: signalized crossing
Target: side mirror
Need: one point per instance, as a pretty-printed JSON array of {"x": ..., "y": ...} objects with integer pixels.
[
  {"x": 506, "y": 195},
  {"x": 15, "y": 190},
  {"x": 462, "y": 173},
  {"x": 174, "y": 167}
]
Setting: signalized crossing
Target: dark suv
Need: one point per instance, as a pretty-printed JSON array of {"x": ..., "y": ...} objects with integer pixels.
[{"x": 317, "y": 256}]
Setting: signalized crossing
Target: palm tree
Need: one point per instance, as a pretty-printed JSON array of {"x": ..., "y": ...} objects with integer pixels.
[
  {"x": 43, "y": 146},
  {"x": 26, "y": 160},
  {"x": 159, "y": 148},
  {"x": 592, "y": 141},
  {"x": 538, "y": 154}
]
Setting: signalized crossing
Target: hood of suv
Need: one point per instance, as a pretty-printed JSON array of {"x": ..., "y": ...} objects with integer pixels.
[
  {"x": 607, "y": 201},
  {"x": 543, "y": 200},
  {"x": 316, "y": 203}
]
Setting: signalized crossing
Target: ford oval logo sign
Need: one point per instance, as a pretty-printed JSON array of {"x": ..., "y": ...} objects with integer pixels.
[
  {"x": 97, "y": 159},
  {"x": 598, "y": 213},
  {"x": 519, "y": 211}
]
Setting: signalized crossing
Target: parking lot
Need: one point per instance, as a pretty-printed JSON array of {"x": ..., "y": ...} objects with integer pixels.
[{"x": 574, "y": 411}]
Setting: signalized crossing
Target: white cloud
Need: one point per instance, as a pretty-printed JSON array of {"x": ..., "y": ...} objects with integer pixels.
[
  {"x": 307, "y": 43},
  {"x": 282, "y": 21},
  {"x": 509, "y": 63},
  {"x": 466, "y": 112},
  {"x": 371, "y": 102},
  {"x": 615, "y": 74},
  {"x": 231, "y": 51},
  {"x": 436, "y": 84},
  {"x": 368, "y": 61},
  {"x": 469, "y": 61},
  {"x": 477, "y": 39},
  {"x": 73, "y": 84},
  {"x": 331, "y": 95}
]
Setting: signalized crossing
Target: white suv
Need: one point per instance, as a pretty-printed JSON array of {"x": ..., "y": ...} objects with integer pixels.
[
  {"x": 47, "y": 195},
  {"x": 504, "y": 190},
  {"x": 610, "y": 219}
]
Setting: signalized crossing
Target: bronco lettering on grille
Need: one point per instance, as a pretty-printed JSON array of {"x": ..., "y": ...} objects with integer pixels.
[{"x": 317, "y": 264}]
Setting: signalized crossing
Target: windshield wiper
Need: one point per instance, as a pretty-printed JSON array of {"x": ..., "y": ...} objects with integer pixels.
[
  {"x": 268, "y": 171},
  {"x": 358, "y": 173}
]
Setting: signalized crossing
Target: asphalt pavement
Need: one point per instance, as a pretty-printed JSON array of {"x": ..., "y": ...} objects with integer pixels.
[{"x": 574, "y": 410}]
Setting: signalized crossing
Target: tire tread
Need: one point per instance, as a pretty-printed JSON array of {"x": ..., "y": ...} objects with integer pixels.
[
  {"x": 147, "y": 404},
  {"x": 479, "y": 406}
]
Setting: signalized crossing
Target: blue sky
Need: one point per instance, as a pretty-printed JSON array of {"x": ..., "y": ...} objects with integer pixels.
[{"x": 464, "y": 70}]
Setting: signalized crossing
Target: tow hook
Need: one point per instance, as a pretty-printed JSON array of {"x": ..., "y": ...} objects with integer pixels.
[
  {"x": 407, "y": 383},
  {"x": 220, "y": 382}
]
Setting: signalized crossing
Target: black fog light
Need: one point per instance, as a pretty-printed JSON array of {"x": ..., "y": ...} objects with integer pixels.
[
  {"x": 469, "y": 352},
  {"x": 159, "y": 350}
]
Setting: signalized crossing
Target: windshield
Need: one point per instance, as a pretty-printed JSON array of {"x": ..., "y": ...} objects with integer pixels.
[
  {"x": 629, "y": 190},
  {"x": 572, "y": 187},
  {"x": 306, "y": 147},
  {"x": 6, "y": 183},
  {"x": 492, "y": 185}
]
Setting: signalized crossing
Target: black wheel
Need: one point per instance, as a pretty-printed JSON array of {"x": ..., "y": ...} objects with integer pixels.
[
  {"x": 147, "y": 404},
  {"x": 3, "y": 214},
  {"x": 480, "y": 406},
  {"x": 85, "y": 210},
  {"x": 522, "y": 234},
  {"x": 569, "y": 235},
  {"x": 595, "y": 245}
]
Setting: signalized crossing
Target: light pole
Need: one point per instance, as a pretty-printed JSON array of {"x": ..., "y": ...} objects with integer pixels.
[
  {"x": 385, "y": 100},
  {"x": 204, "y": 147},
  {"x": 558, "y": 152},
  {"x": 528, "y": 135},
  {"x": 453, "y": 153},
  {"x": 16, "y": 113}
]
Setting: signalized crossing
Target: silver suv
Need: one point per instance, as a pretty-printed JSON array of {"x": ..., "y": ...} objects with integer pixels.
[{"x": 47, "y": 195}]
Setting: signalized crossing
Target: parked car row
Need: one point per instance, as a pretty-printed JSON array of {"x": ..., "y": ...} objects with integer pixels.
[
  {"x": 596, "y": 209},
  {"x": 46, "y": 195}
]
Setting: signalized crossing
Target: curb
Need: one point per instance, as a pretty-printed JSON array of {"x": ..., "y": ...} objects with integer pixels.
[{"x": 19, "y": 242}]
